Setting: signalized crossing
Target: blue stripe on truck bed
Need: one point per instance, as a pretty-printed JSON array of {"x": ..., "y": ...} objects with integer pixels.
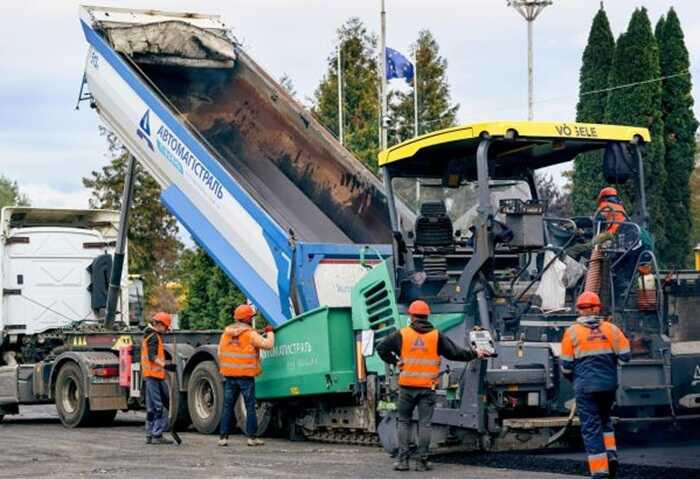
[
  {"x": 275, "y": 232},
  {"x": 220, "y": 251}
]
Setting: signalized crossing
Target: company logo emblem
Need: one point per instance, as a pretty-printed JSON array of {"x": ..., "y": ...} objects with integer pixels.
[
  {"x": 177, "y": 154},
  {"x": 418, "y": 344},
  {"x": 696, "y": 376},
  {"x": 596, "y": 335},
  {"x": 144, "y": 130}
]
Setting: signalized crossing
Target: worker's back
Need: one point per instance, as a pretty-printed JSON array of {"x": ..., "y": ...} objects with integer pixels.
[{"x": 590, "y": 350}]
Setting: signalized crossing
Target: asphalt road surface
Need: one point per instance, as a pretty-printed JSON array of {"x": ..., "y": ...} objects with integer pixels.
[{"x": 35, "y": 444}]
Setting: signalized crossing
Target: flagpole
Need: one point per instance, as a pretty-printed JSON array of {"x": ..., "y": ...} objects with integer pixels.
[
  {"x": 340, "y": 94},
  {"x": 415, "y": 110},
  {"x": 382, "y": 49},
  {"x": 415, "y": 92}
]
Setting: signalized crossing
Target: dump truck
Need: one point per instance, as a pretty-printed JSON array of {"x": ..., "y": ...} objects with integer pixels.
[{"x": 249, "y": 188}]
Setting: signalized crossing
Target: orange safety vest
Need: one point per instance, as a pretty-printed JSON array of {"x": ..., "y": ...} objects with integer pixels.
[
  {"x": 611, "y": 212},
  {"x": 237, "y": 355},
  {"x": 581, "y": 341},
  {"x": 421, "y": 361},
  {"x": 151, "y": 369}
]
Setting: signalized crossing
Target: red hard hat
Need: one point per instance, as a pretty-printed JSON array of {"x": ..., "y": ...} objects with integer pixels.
[
  {"x": 607, "y": 191},
  {"x": 244, "y": 313},
  {"x": 588, "y": 299},
  {"x": 164, "y": 318},
  {"x": 419, "y": 308}
]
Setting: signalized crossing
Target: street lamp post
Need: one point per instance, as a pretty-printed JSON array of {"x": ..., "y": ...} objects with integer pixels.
[{"x": 530, "y": 10}]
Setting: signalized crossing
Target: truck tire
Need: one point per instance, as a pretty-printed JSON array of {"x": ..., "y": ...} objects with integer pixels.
[
  {"x": 263, "y": 412},
  {"x": 205, "y": 397},
  {"x": 71, "y": 402},
  {"x": 179, "y": 414}
]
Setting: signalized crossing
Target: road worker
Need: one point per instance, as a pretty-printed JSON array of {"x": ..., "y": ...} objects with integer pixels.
[
  {"x": 239, "y": 364},
  {"x": 610, "y": 209},
  {"x": 416, "y": 349},
  {"x": 590, "y": 351},
  {"x": 153, "y": 368}
]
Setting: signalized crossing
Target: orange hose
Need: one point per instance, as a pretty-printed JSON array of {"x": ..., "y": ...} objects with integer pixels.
[{"x": 594, "y": 275}]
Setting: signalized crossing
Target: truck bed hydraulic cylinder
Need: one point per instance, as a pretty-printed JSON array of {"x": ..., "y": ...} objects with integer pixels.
[{"x": 118, "y": 263}]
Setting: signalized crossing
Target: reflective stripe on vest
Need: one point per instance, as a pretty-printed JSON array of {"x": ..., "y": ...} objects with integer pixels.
[
  {"x": 421, "y": 362},
  {"x": 151, "y": 369},
  {"x": 592, "y": 341},
  {"x": 237, "y": 355}
]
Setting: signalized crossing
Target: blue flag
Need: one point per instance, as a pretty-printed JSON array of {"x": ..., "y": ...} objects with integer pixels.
[{"x": 398, "y": 66}]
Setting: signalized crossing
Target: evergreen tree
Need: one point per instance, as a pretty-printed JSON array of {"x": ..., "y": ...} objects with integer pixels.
[
  {"x": 211, "y": 296},
  {"x": 636, "y": 60},
  {"x": 658, "y": 32},
  {"x": 557, "y": 200},
  {"x": 360, "y": 92},
  {"x": 153, "y": 244},
  {"x": 10, "y": 195},
  {"x": 680, "y": 126},
  {"x": 435, "y": 108},
  {"x": 587, "y": 177}
]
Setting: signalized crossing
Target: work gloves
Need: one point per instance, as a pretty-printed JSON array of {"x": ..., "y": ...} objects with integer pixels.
[{"x": 602, "y": 238}]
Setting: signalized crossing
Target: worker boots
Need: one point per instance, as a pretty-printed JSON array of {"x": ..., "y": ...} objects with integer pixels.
[
  {"x": 254, "y": 441},
  {"x": 423, "y": 465},
  {"x": 223, "y": 441},
  {"x": 402, "y": 464},
  {"x": 160, "y": 440}
]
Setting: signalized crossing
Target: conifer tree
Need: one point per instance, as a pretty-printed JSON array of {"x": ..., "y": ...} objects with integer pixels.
[
  {"x": 680, "y": 126},
  {"x": 636, "y": 61},
  {"x": 10, "y": 194},
  {"x": 211, "y": 296},
  {"x": 587, "y": 177},
  {"x": 435, "y": 108},
  {"x": 658, "y": 31},
  {"x": 360, "y": 92}
]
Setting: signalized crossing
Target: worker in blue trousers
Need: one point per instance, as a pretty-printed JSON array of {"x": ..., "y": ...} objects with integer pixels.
[{"x": 590, "y": 350}]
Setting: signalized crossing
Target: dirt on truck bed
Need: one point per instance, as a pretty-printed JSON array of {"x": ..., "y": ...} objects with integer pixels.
[{"x": 35, "y": 444}]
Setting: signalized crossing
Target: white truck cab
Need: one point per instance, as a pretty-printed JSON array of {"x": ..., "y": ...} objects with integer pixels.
[{"x": 54, "y": 269}]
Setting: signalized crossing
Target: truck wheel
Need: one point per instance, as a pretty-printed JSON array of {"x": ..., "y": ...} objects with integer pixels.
[
  {"x": 263, "y": 411},
  {"x": 73, "y": 407},
  {"x": 179, "y": 413},
  {"x": 205, "y": 397}
]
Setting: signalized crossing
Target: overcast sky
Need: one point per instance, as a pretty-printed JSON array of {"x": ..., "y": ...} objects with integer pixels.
[{"x": 48, "y": 147}]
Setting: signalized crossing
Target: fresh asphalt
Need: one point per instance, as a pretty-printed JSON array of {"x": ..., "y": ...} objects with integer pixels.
[{"x": 35, "y": 444}]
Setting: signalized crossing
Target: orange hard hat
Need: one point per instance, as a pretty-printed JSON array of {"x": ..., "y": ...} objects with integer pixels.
[
  {"x": 244, "y": 313},
  {"x": 607, "y": 191},
  {"x": 588, "y": 299},
  {"x": 164, "y": 318},
  {"x": 419, "y": 308}
]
